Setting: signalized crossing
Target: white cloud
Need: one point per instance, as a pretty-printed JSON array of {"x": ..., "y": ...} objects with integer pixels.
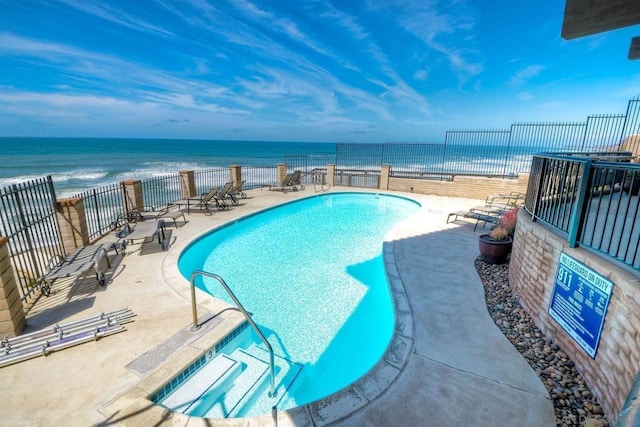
[
  {"x": 525, "y": 96},
  {"x": 106, "y": 11},
  {"x": 442, "y": 32},
  {"x": 524, "y": 75},
  {"x": 421, "y": 75}
]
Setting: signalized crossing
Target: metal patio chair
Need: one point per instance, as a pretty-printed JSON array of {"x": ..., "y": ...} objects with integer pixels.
[{"x": 77, "y": 263}]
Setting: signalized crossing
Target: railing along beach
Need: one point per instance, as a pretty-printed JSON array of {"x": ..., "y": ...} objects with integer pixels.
[{"x": 591, "y": 199}]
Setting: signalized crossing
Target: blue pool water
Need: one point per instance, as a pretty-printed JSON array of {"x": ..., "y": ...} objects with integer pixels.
[{"x": 312, "y": 274}]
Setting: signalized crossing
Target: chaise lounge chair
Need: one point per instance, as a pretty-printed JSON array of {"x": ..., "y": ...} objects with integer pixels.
[
  {"x": 224, "y": 192},
  {"x": 77, "y": 264},
  {"x": 237, "y": 189},
  {"x": 143, "y": 230},
  {"x": 513, "y": 198},
  {"x": 477, "y": 216},
  {"x": 296, "y": 181},
  {"x": 205, "y": 202},
  {"x": 284, "y": 184},
  {"x": 169, "y": 211}
]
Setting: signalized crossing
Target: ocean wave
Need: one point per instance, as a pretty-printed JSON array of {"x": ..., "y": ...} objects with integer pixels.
[
  {"x": 79, "y": 175},
  {"x": 7, "y": 182},
  {"x": 157, "y": 169}
]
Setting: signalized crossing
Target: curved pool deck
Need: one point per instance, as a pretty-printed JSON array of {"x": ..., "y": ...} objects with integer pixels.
[{"x": 447, "y": 364}]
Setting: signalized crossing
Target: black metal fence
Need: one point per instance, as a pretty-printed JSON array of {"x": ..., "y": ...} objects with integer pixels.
[
  {"x": 103, "y": 207},
  {"x": 159, "y": 191},
  {"x": 499, "y": 153},
  {"x": 257, "y": 176},
  {"x": 311, "y": 166},
  {"x": 208, "y": 179},
  {"x": 556, "y": 186},
  {"x": 28, "y": 220},
  {"x": 592, "y": 201}
]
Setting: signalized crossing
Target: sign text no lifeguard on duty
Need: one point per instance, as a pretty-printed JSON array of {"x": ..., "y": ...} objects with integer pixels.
[{"x": 579, "y": 302}]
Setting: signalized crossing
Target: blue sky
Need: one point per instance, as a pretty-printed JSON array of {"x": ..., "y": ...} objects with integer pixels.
[{"x": 300, "y": 70}]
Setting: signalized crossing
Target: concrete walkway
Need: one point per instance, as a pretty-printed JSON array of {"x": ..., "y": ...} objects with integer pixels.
[{"x": 447, "y": 365}]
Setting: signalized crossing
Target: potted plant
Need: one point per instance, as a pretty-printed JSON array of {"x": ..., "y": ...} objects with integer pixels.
[{"x": 496, "y": 245}]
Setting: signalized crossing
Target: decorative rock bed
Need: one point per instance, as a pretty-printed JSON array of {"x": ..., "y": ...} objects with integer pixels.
[{"x": 573, "y": 402}]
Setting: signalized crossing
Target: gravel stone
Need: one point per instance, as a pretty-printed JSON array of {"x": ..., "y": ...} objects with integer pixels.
[{"x": 574, "y": 403}]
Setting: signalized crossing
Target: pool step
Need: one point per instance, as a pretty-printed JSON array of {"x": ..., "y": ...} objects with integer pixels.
[
  {"x": 254, "y": 375},
  {"x": 257, "y": 400},
  {"x": 234, "y": 385},
  {"x": 217, "y": 373}
]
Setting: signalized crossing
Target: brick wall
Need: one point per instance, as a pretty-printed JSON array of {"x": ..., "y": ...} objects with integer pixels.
[
  {"x": 471, "y": 187},
  {"x": 532, "y": 270}
]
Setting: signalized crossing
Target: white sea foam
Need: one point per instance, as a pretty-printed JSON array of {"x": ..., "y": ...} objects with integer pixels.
[
  {"x": 6, "y": 182},
  {"x": 80, "y": 175}
]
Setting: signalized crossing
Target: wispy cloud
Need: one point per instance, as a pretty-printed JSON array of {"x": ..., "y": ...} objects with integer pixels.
[
  {"x": 442, "y": 31},
  {"x": 525, "y": 96},
  {"x": 107, "y": 12},
  {"x": 525, "y": 74},
  {"x": 280, "y": 66}
]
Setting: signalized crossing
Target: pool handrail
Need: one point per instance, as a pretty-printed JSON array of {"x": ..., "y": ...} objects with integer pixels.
[{"x": 242, "y": 310}]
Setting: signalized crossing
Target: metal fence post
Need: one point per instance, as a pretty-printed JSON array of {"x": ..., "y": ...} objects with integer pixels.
[{"x": 577, "y": 216}]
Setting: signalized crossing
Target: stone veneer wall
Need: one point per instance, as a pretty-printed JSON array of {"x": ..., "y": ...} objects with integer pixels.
[
  {"x": 532, "y": 270},
  {"x": 470, "y": 187}
]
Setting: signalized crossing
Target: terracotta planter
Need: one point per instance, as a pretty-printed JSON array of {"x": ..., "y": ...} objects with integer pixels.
[{"x": 494, "y": 251}]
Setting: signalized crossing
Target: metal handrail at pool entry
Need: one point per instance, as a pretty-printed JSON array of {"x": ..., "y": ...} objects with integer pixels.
[{"x": 244, "y": 312}]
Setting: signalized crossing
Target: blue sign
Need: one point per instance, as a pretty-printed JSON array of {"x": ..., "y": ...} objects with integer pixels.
[{"x": 579, "y": 302}]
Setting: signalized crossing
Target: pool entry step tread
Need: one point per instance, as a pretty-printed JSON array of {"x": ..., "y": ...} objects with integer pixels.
[
  {"x": 218, "y": 371},
  {"x": 254, "y": 375},
  {"x": 230, "y": 385}
]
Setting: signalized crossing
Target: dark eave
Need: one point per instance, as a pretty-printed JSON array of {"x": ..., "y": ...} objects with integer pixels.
[{"x": 587, "y": 17}]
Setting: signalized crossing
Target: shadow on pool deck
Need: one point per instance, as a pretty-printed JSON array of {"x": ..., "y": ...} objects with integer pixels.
[{"x": 448, "y": 365}]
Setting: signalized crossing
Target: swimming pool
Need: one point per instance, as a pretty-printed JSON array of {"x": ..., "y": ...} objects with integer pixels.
[{"x": 312, "y": 274}]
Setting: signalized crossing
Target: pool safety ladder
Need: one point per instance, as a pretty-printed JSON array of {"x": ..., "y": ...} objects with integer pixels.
[
  {"x": 196, "y": 326},
  {"x": 61, "y": 336},
  {"x": 319, "y": 182}
]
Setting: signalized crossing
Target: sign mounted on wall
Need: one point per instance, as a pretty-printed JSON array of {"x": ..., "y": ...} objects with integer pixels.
[{"x": 579, "y": 302}]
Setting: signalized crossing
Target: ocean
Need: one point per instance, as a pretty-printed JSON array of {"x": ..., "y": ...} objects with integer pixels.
[{"x": 80, "y": 164}]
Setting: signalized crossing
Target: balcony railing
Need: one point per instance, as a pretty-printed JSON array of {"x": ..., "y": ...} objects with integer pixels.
[{"x": 591, "y": 199}]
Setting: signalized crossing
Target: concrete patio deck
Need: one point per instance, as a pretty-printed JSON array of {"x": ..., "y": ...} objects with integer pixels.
[{"x": 448, "y": 364}]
